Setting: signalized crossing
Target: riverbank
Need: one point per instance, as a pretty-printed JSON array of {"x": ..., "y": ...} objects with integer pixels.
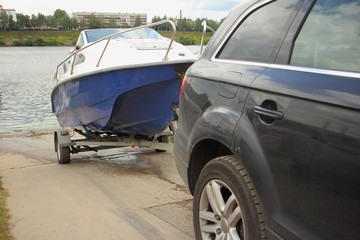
[
  {"x": 38, "y": 38},
  {"x": 4, "y": 215},
  {"x": 69, "y": 38}
]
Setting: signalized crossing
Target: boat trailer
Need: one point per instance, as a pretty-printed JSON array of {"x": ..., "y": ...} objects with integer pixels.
[{"x": 95, "y": 141}]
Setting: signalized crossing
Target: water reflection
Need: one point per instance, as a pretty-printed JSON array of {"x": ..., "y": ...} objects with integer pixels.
[
  {"x": 0, "y": 100},
  {"x": 26, "y": 81}
]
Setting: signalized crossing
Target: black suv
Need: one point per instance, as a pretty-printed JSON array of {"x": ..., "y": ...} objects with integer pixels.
[{"x": 269, "y": 123}]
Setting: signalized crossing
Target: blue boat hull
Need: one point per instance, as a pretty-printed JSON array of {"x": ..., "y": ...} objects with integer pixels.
[{"x": 134, "y": 101}]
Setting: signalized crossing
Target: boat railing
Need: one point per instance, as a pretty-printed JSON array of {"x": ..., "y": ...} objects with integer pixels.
[
  {"x": 205, "y": 28},
  {"x": 108, "y": 38}
]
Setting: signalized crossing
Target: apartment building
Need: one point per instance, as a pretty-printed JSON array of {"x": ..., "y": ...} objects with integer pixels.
[
  {"x": 120, "y": 18},
  {"x": 11, "y": 12}
]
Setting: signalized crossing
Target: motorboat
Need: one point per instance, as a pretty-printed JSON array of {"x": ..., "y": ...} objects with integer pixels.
[{"x": 126, "y": 82}]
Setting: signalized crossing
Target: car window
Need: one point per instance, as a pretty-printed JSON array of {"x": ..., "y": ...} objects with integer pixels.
[
  {"x": 259, "y": 37},
  {"x": 330, "y": 37}
]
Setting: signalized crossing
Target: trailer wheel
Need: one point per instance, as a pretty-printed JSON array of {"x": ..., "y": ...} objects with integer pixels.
[
  {"x": 163, "y": 139},
  {"x": 63, "y": 153},
  {"x": 160, "y": 150}
]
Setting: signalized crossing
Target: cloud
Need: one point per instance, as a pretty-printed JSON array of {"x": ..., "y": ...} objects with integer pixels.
[
  {"x": 211, "y": 9},
  {"x": 214, "y": 5}
]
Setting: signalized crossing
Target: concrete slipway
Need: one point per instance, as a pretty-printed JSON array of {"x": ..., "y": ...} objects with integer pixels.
[{"x": 124, "y": 193}]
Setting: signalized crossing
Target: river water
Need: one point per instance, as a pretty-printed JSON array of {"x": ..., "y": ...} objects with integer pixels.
[{"x": 26, "y": 81}]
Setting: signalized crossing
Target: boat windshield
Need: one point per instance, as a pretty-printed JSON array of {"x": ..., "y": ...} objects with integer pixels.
[
  {"x": 141, "y": 33},
  {"x": 94, "y": 35}
]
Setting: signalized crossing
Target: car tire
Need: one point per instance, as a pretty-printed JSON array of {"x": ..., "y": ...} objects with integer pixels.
[{"x": 225, "y": 202}]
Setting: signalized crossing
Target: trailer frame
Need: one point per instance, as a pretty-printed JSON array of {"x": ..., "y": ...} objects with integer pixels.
[{"x": 95, "y": 141}]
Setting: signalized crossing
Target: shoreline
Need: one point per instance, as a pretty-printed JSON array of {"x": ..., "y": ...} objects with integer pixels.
[
  {"x": 69, "y": 38},
  {"x": 27, "y": 133}
]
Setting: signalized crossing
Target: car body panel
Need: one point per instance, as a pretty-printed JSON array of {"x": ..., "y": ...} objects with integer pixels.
[
  {"x": 296, "y": 130},
  {"x": 312, "y": 149}
]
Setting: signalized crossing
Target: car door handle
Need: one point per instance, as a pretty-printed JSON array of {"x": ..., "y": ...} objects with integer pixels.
[{"x": 268, "y": 112}]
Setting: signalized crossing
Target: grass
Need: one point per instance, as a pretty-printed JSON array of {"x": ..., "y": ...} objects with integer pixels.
[
  {"x": 39, "y": 38},
  {"x": 4, "y": 216},
  {"x": 10, "y": 38},
  {"x": 37, "y": 34},
  {"x": 193, "y": 37}
]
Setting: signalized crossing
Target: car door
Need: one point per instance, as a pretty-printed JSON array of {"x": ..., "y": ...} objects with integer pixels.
[{"x": 306, "y": 116}]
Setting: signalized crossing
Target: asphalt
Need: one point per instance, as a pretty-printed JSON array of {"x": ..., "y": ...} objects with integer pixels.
[{"x": 123, "y": 193}]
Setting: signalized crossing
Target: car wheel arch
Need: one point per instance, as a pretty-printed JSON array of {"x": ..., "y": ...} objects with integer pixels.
[
  {"x": 212, "y": 138},
  {"x": 200, "y": 156}
]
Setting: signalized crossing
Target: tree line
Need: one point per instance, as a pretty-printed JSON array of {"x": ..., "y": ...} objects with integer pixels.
[
  {"x": 61, "y": 20},
  {"x": 186, "y": 24},
  {"x": 39, "y": 21}
]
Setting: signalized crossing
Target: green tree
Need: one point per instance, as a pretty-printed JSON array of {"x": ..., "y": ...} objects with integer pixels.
[
  {"x": 41, "y": 20},
  {"x": 165, "y": 26},
  {"x": 61, "y": 18},
  {"x": 23, "y": 21},
  {"x": 125, "y": 25},
  {"x": 58, "y": 17},
  {"x": 50, "y": 21},
  {"x": 184, "y": 25},
  {"x": 74, "y": 24},
  {"x": 59, "y": 14},
  {"x": 33, "y": 21},
  {"x": 94, "y": 22},
  {"x": 66, "y": 22},
  {"x": 12, "y": 23},
  {"x": 162, "y": 27},
  {"x": 197, "y": 25},
  {"x": 4, "y": 20},
  {"x": 137, "y": 21},
  {"x": 112, "y": 23},
  {"x": 154, "y": 20},
  {"x": 213, "y": 24},
  {"x": 82, "y": 24}
]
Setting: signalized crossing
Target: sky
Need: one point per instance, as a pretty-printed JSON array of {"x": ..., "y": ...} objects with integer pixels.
[{"x": 211, "y": 9}]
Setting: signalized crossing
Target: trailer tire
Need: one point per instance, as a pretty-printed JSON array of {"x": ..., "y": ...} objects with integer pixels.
[
  {"x": 163, "y": 139},
  {"x": 63, "y": 153}
]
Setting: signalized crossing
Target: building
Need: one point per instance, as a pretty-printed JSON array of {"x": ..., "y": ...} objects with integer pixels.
[
  {"x": 10, "y": 12},
  {"x": 120, "y": 18}
]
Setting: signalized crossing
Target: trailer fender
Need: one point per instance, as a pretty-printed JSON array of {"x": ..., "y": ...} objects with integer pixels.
[{"x": 61, "y": 138}]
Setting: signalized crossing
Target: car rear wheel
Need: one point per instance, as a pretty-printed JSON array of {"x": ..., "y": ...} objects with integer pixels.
[{"x": 225, "y": 202}]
